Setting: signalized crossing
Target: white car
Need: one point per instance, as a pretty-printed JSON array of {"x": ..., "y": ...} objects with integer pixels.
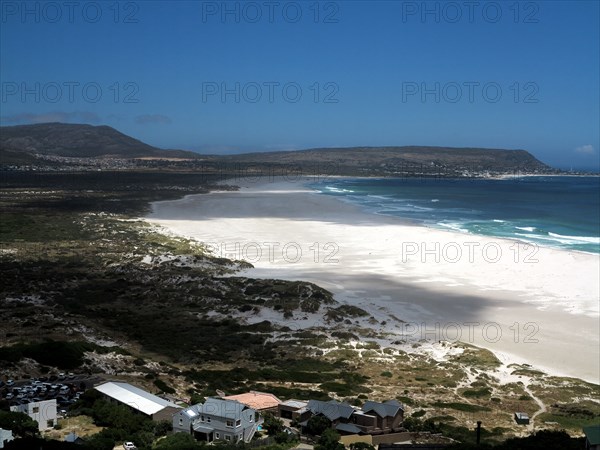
[{"x": 129, "y": 446}]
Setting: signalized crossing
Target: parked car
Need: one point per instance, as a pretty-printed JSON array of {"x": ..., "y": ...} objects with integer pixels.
[
  {"x": 129, "y": 446},
  {"x": 10, "y": 382}
]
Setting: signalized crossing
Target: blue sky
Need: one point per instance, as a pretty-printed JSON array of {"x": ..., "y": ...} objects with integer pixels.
[{"x": 251, "y": 76}]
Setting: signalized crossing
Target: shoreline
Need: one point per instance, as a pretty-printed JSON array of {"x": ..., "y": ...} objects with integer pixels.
[{"x": 437, "y": 298}]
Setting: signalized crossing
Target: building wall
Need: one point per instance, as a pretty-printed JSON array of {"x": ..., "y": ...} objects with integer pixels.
[
  {"x": 43, "y": 412},
  {"x": 165, "y": 414},
  {"x": 181, "y": 422},
  {"x": 364, "y": 420},
  {"x": 287, "y": 412}
]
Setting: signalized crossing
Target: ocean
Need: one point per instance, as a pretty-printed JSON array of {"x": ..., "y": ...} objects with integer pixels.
[{"x": 554, "y": 211}]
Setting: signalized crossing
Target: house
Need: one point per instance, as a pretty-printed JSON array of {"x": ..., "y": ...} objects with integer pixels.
[
  {"x": 43, "y": 412},
  {"x": 5, "y": 437},
  {"x": 335, "y": 411},
  {"x": 218, "y": 419},
  {"x": 592, "y": 437},
  {"x": 139, "y": 400},
  {"x": 259, "y": 401},
  {"x": 291, "y": 409},
  {"x": 338, "y": 414},
  {"x": 388, "y": 416},
  {"x": 372, "y": 418},
  {"x": 521, "y": 418}
]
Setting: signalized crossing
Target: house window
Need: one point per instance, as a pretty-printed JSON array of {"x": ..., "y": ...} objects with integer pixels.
[
  {"x": 238, "y": 422},
  {"x": 180, "y": 421},
  {"x": 227, "y": 437},
  {"x": 208, "y": 419},
  {"x": 217, "y": 436},
  {"x": 201, "y": 418},
  {"x": 229, "y": 423},
  {"x": 50, "y": 423},
  {"x": 36, "y": 409}
]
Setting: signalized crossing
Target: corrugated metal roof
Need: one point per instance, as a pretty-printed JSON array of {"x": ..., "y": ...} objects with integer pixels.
[{"x": 134, "y": 397}]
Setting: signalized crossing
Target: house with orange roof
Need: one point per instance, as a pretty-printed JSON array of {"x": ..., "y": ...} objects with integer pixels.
[{"x": 259, "y": 401}]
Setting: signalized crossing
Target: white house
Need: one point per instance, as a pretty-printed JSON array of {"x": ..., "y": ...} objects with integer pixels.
[{"x": 44, "y": 412}]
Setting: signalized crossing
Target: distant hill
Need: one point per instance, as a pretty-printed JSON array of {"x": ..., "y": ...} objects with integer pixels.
[
  {"x": 476, "y": 158},
  {"x": 77, "y": 140},
  {"x": 20, "y": 144}
]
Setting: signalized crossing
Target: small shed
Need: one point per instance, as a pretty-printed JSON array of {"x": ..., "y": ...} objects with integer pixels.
[
  {"x": 74, "y": 438},
  {"x": 522, "y": 418}
]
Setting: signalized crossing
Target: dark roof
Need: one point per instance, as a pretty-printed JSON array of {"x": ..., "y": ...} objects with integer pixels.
[
  {"x": 385, "y": 409},
  {"x": 72, "y": 437},
  {"x": 332, "y": 410},
  {"x": 348, "y": 428},
  {"x": 592, "y": 433}
]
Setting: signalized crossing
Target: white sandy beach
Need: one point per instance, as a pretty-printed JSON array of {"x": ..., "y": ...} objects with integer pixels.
[{"x": 539, "y": 306}]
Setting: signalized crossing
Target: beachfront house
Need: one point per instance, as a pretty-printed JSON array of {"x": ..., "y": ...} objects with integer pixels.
[
  {"x": 335, "y": 411},
  {"x": 387, "y": 416},
  {"x": 218, "y": 419},
  {"x": 372, "y": 418}
]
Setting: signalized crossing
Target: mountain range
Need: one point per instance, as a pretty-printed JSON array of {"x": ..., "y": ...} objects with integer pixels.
[{"x": 25, "y": 144}]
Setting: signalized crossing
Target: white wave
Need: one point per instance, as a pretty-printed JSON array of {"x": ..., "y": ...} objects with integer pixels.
[
  {"x": 575, "y": 239},
  {"x": 340, "y": 190},
  {"x": 422, "y": 208},
  {"x": 435, "y": 200},
  {"x": 530, "y": 229},
  {"x": 453, "y": 226},
  {"x": 565, "y": 240},
  {"x": 499, "y": 221},
  {"x": 381, "y": 197}
]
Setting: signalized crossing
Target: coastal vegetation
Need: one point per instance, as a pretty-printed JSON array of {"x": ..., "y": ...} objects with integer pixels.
[{"x": 88, "y": 286}]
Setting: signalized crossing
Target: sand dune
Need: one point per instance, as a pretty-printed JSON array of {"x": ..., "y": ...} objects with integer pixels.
[{"x": 539, "y": 306}]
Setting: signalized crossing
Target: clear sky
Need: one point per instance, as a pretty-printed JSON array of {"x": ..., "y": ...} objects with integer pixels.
[{"x": 268, "y": 75}]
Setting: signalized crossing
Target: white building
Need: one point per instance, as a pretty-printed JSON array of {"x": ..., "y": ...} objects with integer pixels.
[
  {"x": 44, "y": 413},
  {"x": 5, "y": 437},
  {"x": 139, "y": 400}
]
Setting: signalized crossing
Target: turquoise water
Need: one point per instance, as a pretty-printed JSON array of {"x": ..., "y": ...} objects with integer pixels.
[{"x": 561, "y": 212}]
